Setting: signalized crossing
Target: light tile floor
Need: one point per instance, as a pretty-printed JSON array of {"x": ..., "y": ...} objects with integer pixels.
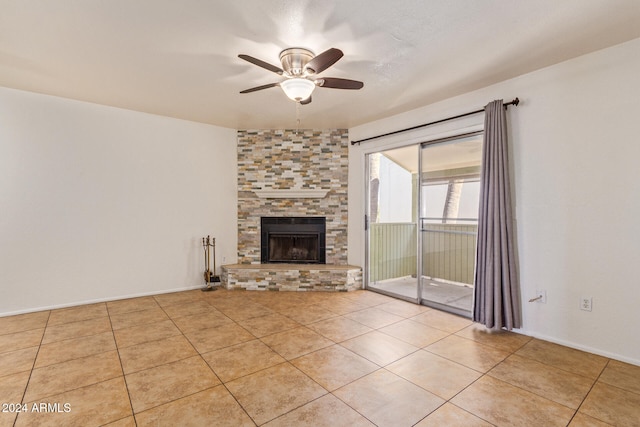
[{"x": 235, "y": 358}]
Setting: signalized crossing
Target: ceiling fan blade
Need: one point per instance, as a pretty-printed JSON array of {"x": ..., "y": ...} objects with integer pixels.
[
  {"x": 335, "y": 83},
  {"x": 306, "y": 101},
  {"x": 262, "y": 64},
  {"x": 323, "y": 61},
  {"x": 254, "y": 89}
]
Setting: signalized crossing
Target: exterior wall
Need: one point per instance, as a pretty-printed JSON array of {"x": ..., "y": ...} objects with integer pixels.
[{"x": 288, "y": 160}]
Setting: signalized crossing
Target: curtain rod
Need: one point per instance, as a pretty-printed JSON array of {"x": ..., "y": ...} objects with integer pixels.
[{"x": 515, "y": 102}]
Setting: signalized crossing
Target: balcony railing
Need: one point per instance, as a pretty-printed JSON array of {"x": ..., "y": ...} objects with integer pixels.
[
  {"x": 448, "y": 251},
  {"x": 392, "y": 251}
]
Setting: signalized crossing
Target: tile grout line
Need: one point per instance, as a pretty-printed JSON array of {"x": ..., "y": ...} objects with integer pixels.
[
  {"x": 289, "y": 363},
  {"x": 450, "y": 333},
  {"x": 589, "y": 392},
  {"x": 482, "y": 375},
  {"x": 222, "y": 383},
  {"x": 26, "y": 387},
  {"x": 285, "y": 361},
  {"x": 379, "y": 367},
  {"x": 124, "y": 377},
  {"x": 328, "y": 392},
  {"x": 509, "y": 353},
  {"x": 33, "y": 368},
  {"x": 558, "y": 367},
  {"x": 486, "y": 374}
]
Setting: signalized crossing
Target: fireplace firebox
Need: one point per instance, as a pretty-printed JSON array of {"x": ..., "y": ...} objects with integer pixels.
[{"x": 296, "y": 240}]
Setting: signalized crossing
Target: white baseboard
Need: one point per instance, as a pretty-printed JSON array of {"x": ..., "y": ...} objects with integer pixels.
[
  {"x": 581, "y": 347},
  {"x": 94, "y": 301}
]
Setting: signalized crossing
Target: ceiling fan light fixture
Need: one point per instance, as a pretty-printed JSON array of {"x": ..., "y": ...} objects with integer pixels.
[{"x": 298, "y": 88}]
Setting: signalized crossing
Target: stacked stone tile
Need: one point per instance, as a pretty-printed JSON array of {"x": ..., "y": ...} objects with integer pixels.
[
  {"x": 292, "y": 160},
  {"x": 302, "y": 278}
]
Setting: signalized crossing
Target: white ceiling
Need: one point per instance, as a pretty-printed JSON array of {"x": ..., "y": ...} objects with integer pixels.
[
  {"x": 458, "y": 153},
  {"x": 178, "y": 58}
]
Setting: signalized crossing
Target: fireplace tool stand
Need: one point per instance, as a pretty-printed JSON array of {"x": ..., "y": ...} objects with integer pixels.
[{"x": 209, "y": 245}]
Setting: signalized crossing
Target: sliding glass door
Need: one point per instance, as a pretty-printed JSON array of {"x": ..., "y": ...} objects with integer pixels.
[
  {"x": 449, "y": 195},
  {"x": 422, "y": 220},
  {"x": 392, "y": 226}
]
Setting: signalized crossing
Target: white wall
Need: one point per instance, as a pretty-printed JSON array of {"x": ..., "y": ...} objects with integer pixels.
[
  {"x": 575, "y": 149},
  {"x": 395, "y": 192},
  {"x": 100, "y": 203}
]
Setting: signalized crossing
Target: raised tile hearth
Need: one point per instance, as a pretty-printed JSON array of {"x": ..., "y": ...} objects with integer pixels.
[{"x": 292, "y": 277}]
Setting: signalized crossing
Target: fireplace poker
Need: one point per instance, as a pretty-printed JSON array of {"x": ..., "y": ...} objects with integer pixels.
[
  {"x": 214, "y": 278},
  {"x": 209, "y": 275}
]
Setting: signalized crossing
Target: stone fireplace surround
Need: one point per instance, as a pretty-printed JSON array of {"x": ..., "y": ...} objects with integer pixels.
[{"x": 292, "y": 173}]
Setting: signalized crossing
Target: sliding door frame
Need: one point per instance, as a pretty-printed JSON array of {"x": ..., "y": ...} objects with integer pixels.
[
  {"x": 423, "y": 301},
  {"x": 419, "y": 145},
  {"x": 367, "y": 223}
]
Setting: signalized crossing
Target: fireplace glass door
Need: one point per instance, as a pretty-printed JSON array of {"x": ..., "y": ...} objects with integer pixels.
[
  {"x": 295, "y": 240},
  {"x": 293, "y": 248}
]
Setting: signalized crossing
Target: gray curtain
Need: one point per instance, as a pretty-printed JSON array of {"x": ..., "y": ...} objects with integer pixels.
[{"x": 496, "y": 287}]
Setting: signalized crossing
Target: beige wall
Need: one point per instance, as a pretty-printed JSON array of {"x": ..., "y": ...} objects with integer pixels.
[{"x": 99, "y": 203}]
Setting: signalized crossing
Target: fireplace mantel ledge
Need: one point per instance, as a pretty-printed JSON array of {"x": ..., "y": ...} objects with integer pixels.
[{"x": 294, "y": 193}]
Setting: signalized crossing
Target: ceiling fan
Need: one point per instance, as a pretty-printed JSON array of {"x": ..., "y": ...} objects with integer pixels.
[{"x": 300, "y": 67}]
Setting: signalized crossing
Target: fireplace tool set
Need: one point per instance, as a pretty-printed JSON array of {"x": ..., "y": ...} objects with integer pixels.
[{"x": 209, "y": 245}]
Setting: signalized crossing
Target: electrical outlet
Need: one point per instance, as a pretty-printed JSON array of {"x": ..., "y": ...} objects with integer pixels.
[
  {"x": 585, "y": 303},
  {"x": 541, "y": 296}
]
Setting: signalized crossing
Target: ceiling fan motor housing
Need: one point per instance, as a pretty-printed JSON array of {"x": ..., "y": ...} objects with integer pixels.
[{"x": 294, "y": 60}]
